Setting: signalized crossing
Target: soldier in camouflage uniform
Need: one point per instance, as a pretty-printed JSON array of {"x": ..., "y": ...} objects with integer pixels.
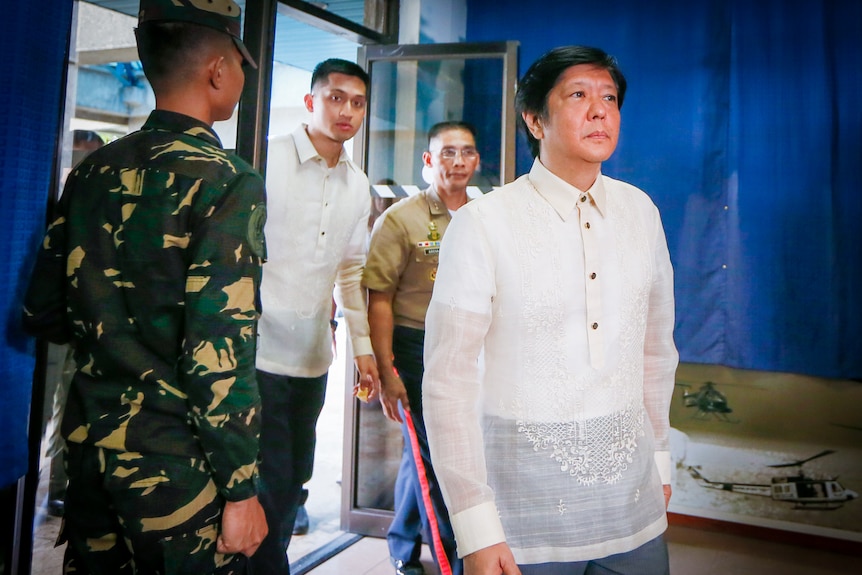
[{"x": 151, "y": 271}]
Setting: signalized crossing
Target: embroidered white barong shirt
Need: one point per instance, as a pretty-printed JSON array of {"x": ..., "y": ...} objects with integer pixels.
[
  {"x": 549, "y": 369},
  {"x": 316, "y": 229}
]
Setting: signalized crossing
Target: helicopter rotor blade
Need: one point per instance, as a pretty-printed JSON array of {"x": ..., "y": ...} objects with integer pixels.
[{"x": 803, "y": 461}]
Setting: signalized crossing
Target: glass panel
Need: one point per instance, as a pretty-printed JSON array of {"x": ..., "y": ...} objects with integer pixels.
[
  {"x": 366, "y": 13},
  {"x": 408, "y": 96},
  {"x": 299, "y": 47}
]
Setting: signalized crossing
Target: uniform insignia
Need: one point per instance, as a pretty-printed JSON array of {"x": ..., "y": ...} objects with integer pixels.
[
  {"x": 256, "y": 239},
  {"x": 432, "y": 275},
  {"x": 433, "y": 234},
  {"x": 431, "y": 248}
]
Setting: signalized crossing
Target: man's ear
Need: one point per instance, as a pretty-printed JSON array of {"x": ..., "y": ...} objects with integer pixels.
[
  {"x": 534, "y": 124},
  {"x": 216, "y": 72},
  {"x": 308, "y": 99},
  {"x": 426, "y": 158}
]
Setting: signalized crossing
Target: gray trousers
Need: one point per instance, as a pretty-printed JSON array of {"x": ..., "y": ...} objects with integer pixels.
[{"x": 651, "y": 558}]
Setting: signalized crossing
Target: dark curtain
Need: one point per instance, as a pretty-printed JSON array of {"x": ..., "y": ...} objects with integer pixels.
[
  {"x": 33, "y": 40},
  {"x": 743, "y": 122}
]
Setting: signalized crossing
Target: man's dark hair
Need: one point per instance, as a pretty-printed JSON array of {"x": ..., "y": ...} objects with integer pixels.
[
  {"x": 337, "y": 66},
  {"x": 439, "y": 127},
  {"x": 543, "y": 75},
  {"x": 169, "y": 51}
]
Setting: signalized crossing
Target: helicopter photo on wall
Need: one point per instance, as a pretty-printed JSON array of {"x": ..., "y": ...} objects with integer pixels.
[{"x": 771, "y": 449}]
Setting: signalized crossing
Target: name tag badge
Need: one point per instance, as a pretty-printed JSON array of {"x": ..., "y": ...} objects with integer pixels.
[{"x": 431, "y": 248}]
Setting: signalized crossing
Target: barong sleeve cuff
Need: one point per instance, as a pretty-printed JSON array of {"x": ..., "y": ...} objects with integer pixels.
[
  {"x": 477, "y": 527},
  {"x": 362, "y": 346},
  {"x": 662, "y": 461}
]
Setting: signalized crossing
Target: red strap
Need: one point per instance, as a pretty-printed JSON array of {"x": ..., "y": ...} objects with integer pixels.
[{"x": 442, "y": 558}]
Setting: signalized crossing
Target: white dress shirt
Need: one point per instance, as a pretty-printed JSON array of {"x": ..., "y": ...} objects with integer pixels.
[
  {"x": 549, "y": 369},
  {"x": 316, "y": 232}
]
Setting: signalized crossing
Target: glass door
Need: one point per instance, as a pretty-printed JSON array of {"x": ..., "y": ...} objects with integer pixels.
[{"x": 412, "y": 88}]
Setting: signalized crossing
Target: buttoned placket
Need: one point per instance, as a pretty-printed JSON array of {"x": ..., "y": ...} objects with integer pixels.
[
  {"x": 324, "y": 231},
  {"x": 587, "y": 220}
]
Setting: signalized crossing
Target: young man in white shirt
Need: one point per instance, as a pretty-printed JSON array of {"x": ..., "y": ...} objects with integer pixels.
[
  {"x": 549, "y": 353},
  {"x": 320, "y": 202}
]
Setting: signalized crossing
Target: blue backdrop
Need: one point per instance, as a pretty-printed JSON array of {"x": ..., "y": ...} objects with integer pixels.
[
  {"x": 32, "y": 69},
  {"x": 743, "y": 121}
]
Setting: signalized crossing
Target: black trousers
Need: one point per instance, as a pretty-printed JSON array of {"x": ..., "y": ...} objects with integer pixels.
[{"x": 290, "y": 407}]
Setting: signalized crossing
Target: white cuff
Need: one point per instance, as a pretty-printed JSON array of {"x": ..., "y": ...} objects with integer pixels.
[
  {"x": 662, "y": 461},
  {"x": 477, "y": 527},
  {"x": 362, "y": 346}
]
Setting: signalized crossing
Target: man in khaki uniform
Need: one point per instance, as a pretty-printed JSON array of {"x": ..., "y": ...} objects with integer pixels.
[{"x": 399, "y": 274}]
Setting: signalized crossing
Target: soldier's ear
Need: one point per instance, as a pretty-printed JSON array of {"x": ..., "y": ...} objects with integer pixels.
[
  {"x": 215, "y": 70},
  {"x": 308, "y": 99}
]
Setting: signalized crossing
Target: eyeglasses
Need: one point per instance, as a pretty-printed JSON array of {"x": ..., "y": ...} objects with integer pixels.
[{"x": 466, "y": 153}]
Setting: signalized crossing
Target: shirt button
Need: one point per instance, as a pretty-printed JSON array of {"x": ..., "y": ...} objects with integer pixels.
[
  {"x": 595, "y": 325},
  {"x": 593, "y": 276},
  {"x": 583, "y": 198},
  {"x": 587, "y": 225}
]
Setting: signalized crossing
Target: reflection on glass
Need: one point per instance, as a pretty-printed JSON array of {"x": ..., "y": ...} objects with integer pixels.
[
  {"x": 367, "y": 13},
  {"x": 298, "y": 49},
  {"x": 409, "y": 97}
]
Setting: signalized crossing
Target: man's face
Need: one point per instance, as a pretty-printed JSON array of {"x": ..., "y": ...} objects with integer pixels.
[
  {"x": 583, "y": 120},
  {"x": 337, "y": 106},
  {"x": 452, "y": 158}
]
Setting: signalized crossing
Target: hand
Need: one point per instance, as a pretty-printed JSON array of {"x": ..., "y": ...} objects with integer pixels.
[
  {"x": 667, "y": 493},
  {"x": 392, "y": 391},
  {"x": 333, "y": 327},
  {"x": 243, "y": 527},
  {"x": 494, "y": 560},
  {"x": 369, "y": 381}
]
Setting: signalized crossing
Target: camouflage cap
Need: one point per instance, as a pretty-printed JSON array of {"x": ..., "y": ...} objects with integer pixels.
[{"x": 222, "y": 15}]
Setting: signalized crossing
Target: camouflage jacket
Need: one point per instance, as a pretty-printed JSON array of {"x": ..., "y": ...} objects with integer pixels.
[{"x": 151, "y": 270}]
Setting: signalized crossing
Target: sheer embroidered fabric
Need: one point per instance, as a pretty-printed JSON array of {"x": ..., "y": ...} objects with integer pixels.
[{"x": 549, "y": 369}]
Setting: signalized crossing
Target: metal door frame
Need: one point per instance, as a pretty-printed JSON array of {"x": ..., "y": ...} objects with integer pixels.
[{"x": 366, "y": 520}]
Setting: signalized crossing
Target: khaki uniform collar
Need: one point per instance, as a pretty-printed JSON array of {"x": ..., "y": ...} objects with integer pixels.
[{"x": 435, "y": 204}]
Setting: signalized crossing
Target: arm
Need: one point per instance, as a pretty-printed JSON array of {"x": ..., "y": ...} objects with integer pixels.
[
  {"x": 44, "y": 311},
  {"x": 351, "y": 299},
  {"x": 217, "y": 363},
  {"x": 456, "y": 324},
  {"x": 660, "y": 354},
  {"x": 380, "y": 320}
]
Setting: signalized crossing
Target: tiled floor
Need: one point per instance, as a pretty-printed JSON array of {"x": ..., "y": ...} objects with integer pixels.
[{"x": 692, "y": 552}]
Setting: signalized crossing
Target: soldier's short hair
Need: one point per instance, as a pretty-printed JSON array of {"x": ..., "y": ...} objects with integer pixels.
[
  {"x": 440, "y": 127},
  {"x": 169, "y": 51},
  {"x": 337, "y": 66}
]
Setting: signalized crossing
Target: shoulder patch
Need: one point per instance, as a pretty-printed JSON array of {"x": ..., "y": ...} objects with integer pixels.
[{"x": 256, "y": 239}]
